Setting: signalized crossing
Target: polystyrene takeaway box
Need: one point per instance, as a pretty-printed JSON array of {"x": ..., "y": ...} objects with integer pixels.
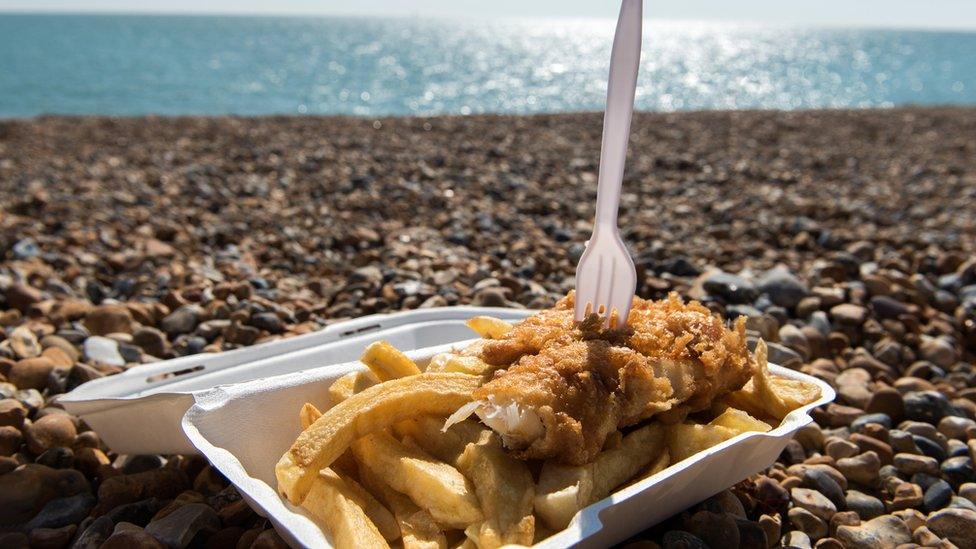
[
  {"x": 244, "y": 429},
  {"x": 139, "y": 410}
]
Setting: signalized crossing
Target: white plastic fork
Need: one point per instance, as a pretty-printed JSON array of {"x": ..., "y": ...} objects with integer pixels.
[{"x": 605, "y": 277}]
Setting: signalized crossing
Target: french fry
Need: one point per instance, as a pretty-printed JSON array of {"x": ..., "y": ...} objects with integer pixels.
[
  {"x": 687, "y": 439},
  {"x": 336, "y": 506},
  {"x": 433, "y": 485},
  {"x": 308, "y": 415},
  {"x": 766, "y": 395},
  {"x": 351, "y": 384},
  {"x": 387, "y": 362},
  {"x": 446, "y": 446},
  {"x": 417, "y": 528},
  {"x": 739, "y": 421},
  {"x": 659, "y": 464},
  {"x": 505, "y": 489},
  {"x": 489, "y": 327},
  {"x": 465, "y": 365},
  {"x": 372, "y": 410},
  {"x": 563, "y": 490},
  {"x": 381, "y": 517}
]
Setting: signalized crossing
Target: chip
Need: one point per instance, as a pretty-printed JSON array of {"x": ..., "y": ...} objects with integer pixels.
[
  {"x": 489, "y": 327},
  {"x": 333, "y": 503},
  {"x": 351, "y": 384},
  {"x": 387, "y": 362},
  {"x": 374, "y": 409}
]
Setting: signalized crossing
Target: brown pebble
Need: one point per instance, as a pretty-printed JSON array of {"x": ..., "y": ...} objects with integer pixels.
[
  {"x": 109, "y": 319},
  {"x": 12, "y": 413},
  {"x": 49, "y": 432},
  {"x": 52, "y": 538},
  {"x": 131, "y": 539},
  {"x": 269, "y": 539},
  {"x": 31, "y": 373}
]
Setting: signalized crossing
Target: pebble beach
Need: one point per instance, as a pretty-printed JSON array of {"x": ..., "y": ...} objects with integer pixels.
[{"x": 847, "y": 239}]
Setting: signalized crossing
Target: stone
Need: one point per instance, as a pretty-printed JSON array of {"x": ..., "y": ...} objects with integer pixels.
[
  {"x": 267, "y": 321},
  {"x": 958, "y": 470},
  {"x": 843, "y": 518},
  {"x": 108, "y": 319},
  {"x": 928, "y": 406},
  {"x": 751, "y": 534},
  {"x": 808, "y": 523},
  {"x": 930, "y": 448},
  {"x": 177, "y": 529},
  {"x": 906, "y": 495},
  {"x": 772, "y": 525},
  {"x": 730, "y": 287},
  {"x": 840, "y": 448},
  {"x": 50, "y": 431},
  {"x": 888, "y": 307},
  {"x": 95, "y": 534},
  {"x": 63, "y": 511},
  {"x": 103, "y": 350},
  {"x": 849, "y": 314},
  {"x": 24, "y": 343},
  {"x": 824, "y": 484},
  {"x": 882, "y": 532},
  {"x": 57, "y": 458},
  {"x": 866, "y": 506},
  {"x": 269, "y": 539},
  {"x": 956, "y": 525},
  {"x": 938, "y": 351},
  {"x": 881, "y": 419},
  {"x": 24, "y": 491},
  {"x": 783, "y": 356},
  {"x": 961, "y": 428},
  {"x": 886, "y": 401},
  {"x": 673, "y": 539},
  {"x": 862, "y": 468},
  {"x": 796, "y": 540},
  {"x": 713, "y": 528},
  {"x": 181, "y": 321},
  {"x": 10, "y": 440},
  {"x": 909, "y": 464},
  {"x": 813, "y": 501},
  {"x": 132, "y": 539},
  {"x": 828, "y": 543},
  {"x": 12, "y": 413},
  {"x": 150, "y": 340},
  {"x": 782, "y": 287},
  {"x": 968, "y": 491},
  {"x": 21, "y": 296},
  {"x": 166, "y": 482},
  {"x": 51, "y": 538},
  {"x": 31, "y": 373},
  {"x": 937, "y": 496}
]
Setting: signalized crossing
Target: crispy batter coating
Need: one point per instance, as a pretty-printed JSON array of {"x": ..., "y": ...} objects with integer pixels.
[{"x": 586, "y": 382}]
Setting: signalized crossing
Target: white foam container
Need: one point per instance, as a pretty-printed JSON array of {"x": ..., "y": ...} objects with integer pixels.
[
  {"x": 244, "y": 429},
  {"x": 139, "y": 411}
]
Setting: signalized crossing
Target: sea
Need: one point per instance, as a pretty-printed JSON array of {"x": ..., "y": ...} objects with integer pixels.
[{"x": 210, "y": 65}]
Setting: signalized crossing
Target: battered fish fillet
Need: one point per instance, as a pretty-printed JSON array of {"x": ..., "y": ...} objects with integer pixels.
[{"x": 562, "y": 387}]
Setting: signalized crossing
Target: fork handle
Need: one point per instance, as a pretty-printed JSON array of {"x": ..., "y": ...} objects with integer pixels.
[{"x": 624, "y": 62}]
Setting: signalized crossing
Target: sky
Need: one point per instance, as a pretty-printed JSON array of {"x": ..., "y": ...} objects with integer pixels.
[{"x": 958, "y": 14}]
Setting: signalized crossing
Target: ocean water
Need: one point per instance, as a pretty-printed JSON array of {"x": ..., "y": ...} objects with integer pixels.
[{"x": 132, "y": 65}]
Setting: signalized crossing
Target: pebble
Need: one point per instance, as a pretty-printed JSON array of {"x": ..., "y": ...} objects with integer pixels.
[
  {"x": 810, "y": 524},
  {"x": 151, "y": 340},
  {"x": 960, "y": 428},
  {"x": 910, "y": 464},
  {"x": 132, "y": 539},
  {"x": 24, "y": 491},
  {"x": 956, "y": 525},
  {"x": 958, "y": 470},
  {"x": 108, "y": 319},
  {"x": 12, "y": 413},
  {"x": 928, "y": 406},
  {"x": 62, "y": 512},
  {"x": 782, "y": 287},
  {"x": 796, "y": 540},
  {"x": 730, "y": 287},
  {"x": 177, "y": 529},
  {"x": 929, "y": 447},
  {"x": 825, "y": 485},
  {"x": 166, "y": 482},
  {"x": 862, "y": 468},
  {"x": 866, "y": 506},
  {"x": 849, "y": 314},
  {"x": 103, "y": 350},
  {"x": 937, "y": 351},
  {"x": 937, "y": 496},
  {"x": 715, "y": 529},
  {"x": 882, "y": 532},
  {"x": 679, "y": 539},
  {"x": 49, "y": 432},
  {"x": 24, "y": 343},
  {"x": 31, "y": 373}
]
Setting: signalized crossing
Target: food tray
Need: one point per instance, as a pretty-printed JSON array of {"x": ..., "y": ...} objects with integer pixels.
[
  {"x": 244, "y": 429},
  {"x": 139, "y": 410}
]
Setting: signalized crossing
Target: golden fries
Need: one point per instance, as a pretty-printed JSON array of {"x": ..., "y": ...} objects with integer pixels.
[
  {"x": 336, "y": 506},
  {"x": 387, "y": 362},
  {"x": 462, "y": 364},
  {"x": 489, "y": 327},
  {"x": 505, "y": 489},
  {"x": 417, "y": 528},
  {"x": 739, "y": 421},
  {"x": 308, "y": 415},
  {"x": 351, "y": 384},
  {"x": 433, "y": 485},
  {"x": 431, "y": 488},
  {"x": 372, "y": 410},
  {"x": 687, "y": 439},
  {"x": 563, "y": 490}
]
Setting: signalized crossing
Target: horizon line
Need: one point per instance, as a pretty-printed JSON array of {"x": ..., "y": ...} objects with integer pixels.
[{"x": 348, "y": 15}]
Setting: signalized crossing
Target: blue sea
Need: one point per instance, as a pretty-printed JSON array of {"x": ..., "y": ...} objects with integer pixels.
[{"x": 174, "y": 65}]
